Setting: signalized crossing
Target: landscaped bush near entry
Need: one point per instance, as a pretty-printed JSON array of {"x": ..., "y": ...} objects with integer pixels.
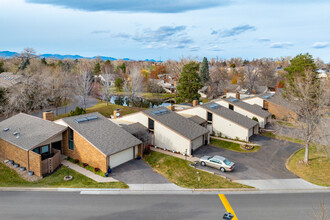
[{"x": 87, "y": 167}]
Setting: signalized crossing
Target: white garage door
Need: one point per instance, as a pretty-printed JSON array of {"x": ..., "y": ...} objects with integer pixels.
[{"x": 121, "y": 157}]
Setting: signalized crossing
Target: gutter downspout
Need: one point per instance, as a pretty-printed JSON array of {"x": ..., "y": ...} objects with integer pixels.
[{"x": 28, "y": 163}]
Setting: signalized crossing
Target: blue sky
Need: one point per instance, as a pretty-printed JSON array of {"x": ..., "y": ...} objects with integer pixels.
[{"x": 167, "y": 29}]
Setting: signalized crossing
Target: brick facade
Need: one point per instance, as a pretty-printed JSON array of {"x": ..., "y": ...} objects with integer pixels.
[
  {"x": 84, "y": 151},
  {"x": 20, "y": 156}
]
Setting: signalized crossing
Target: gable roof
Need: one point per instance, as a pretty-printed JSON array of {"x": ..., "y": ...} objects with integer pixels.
[
  {"x": 177, "y": 123},
  {"x": 197, "y": 119},
  {"x": 135, "y": 128},
  {"x": 102, "y": 133},
  {"x": 33, "y": 130},
  {"x": 255, "y": 109},
  {"x": 230, "y": 115}
]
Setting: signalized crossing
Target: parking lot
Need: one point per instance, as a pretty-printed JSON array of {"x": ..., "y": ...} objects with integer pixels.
[{"x": 267, "y": 163}]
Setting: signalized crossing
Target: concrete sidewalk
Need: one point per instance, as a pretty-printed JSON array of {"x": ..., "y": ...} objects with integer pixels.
[
  {"x": 88, "y": 173},
  {"x": 281, "y": 184}
]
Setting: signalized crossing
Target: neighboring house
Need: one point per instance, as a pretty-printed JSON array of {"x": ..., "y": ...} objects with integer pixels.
[
  {"x": 97, "y": 141},
  {"x": 223, "y": 121},
  {"x": 245, "y": 93},
  {"x": 8, "y": 79},
  {"x": 170, "y": 130},
  {"x": 322, "y": 73},
  {"x": 274, "y": 103},
  {"x": 32, "y": 142},
  {"x": 246, "y": 109}
]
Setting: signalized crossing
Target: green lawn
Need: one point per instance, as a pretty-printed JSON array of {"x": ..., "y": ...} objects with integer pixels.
[
  {"x": 232, "y": 146},
  {"x": 105, "y": 110},
  {"x": 9, "y": 178},
  {"x": 283, "y": 138},
  {"x": 179, "y": 172},
  {"x": 318, "y": 170}
]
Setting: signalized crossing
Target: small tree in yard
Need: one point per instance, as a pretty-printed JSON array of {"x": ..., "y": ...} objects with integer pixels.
[
  {"x": 305, "y": 91},
  {"x": 119, "y": 84},
  {"x": 189, "y": 82}
]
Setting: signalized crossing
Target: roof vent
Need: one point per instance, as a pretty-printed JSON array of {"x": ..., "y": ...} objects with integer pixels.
[
  {"x": 6, "y": 129},
  {"x": 17, "y": 133}
]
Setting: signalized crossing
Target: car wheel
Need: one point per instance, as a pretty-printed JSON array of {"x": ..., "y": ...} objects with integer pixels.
[
  {"x": 203, "y": 163},
  {"x": 222, "y": 169}
]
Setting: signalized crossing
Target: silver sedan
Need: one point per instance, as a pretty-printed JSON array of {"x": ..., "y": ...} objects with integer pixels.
[{"x": 217, "y": 162}]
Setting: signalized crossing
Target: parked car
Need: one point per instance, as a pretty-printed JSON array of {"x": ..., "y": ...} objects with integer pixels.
[{"x": 217, "y": 162}]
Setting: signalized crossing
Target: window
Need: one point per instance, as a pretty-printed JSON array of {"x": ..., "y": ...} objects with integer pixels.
[
  {"x": 151, "y": 124},
  {"x": 214, "y": 161},
  {"x": 209, "y": 116},
  {"x": 36, "y": 150},
  {"x": 71, "y": 145},
  {"x": 45, "y": 149},
  {"x": 231, "y": 107}
]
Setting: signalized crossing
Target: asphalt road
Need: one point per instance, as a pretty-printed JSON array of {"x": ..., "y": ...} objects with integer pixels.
[
  {"x": 72, "y": 205},
  {"x": 267, "y": 163}
]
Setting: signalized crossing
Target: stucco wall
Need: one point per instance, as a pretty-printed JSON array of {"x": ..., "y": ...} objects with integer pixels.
[
  {"x": 136, "y": 117},
  {"x": 255, "y": 100},
  {"x": 229, "y": 129},
  {"x": 164, "y": 137}
]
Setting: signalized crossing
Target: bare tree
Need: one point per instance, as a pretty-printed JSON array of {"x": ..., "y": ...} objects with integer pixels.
[
  {"x": 84, "y": 81},
  {"x": 106, "y": 82},
  {"x": 267, "y": 73},
  {"x": 251, "y": 75},
  {"x": 136, "y": 81},
  {"x": 218, "y": 80},
  {"x": 307, "y": 94}
]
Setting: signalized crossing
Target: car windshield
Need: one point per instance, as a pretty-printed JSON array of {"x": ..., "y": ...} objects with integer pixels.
[{"x": 227, "y": 162}]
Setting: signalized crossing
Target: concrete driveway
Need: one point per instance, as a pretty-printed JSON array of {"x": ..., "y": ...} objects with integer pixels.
[
  {"x": 267, "y": 163},
  {"x": 137, "y": 172}
]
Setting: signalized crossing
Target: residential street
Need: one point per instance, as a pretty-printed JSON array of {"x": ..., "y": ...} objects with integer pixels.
[
  {"x": 72, "y": 205},
  {"x": 267, "y": 163}
]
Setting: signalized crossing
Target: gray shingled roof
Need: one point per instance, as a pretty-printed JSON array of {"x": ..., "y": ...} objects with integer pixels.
[
  {"x": 255, "y": 109},
  {"x": 230, "y": 115},
  {"x": 105, "y": 135},
  {"x": 197, "y": 119},
  {"x": 178, "y": 123},
  {"x": 33, "y": 130},
  {"x": 135, "y": 128}
]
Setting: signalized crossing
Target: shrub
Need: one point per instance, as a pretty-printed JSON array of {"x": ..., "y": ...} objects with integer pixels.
[
  {"x": 85, "y": 165},
  {"x": 96, "y": 170},
  {"x": 236, "y": 139},
  {"x": 273, "y": 116},
  {"x": 77, "y": 111},
  {"x": 254, "y": 118},
  {"x": 76, "y": 161}
]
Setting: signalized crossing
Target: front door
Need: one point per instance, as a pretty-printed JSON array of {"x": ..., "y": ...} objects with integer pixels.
[{"x": 57, "y": 145}]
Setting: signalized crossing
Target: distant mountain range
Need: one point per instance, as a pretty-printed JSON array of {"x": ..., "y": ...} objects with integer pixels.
[{"x": 8, "y": 54}]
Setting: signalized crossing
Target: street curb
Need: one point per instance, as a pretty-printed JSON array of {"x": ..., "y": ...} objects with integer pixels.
[{"x": 288, "y": 160}]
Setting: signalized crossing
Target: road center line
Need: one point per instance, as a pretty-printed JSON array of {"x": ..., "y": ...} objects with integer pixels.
[{"x": 227, "y": 205}]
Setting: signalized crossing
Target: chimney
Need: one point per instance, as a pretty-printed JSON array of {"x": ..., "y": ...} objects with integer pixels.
[
  {"x": 171, "y": 107},
  {"x": 49, "y": 115},
  {"x": 195, "y": 102},
  {"x": 116, "y": 113},
  {"x": 238, "y": 95}
]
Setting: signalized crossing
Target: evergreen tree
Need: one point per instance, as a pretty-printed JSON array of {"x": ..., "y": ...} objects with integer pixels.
[
  {"x": 1, "y": 67},
  {"x": 43, "y": 61},
  {"x": 97, "y": 69},
  {"x": 189, "y": 82},
  {"x": 205, "y": 74}
]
